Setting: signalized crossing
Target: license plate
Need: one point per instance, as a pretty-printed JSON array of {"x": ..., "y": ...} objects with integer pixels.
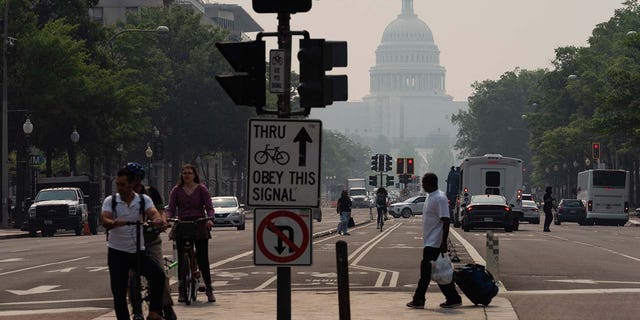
[
  {"x": 572, "y": 211},
  {"x": 219, "y": 221},
  {"x": 487, "y": 219},
  {"x": 48, "y": 222}
]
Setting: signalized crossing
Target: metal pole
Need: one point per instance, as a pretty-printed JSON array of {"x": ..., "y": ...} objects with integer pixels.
[
  {"x": 284, "y": 43},
  {"x": 342, "y": 263},
  {"x": 5, "y": 132},
  {"x": 284, "y": 293}
]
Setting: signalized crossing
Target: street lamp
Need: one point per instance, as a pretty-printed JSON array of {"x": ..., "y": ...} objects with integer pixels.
[
  {"x": 21, "y": 203},
  {"x": 27, "y": 128},
  {"x": 158, "y": 30},
  {"x": 149, "y": 154},
  {"x": 75, "y": 137},
  {"x": 587, "y": 163}
]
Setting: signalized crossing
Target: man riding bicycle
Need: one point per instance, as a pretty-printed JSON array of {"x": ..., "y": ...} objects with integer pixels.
[
  {"x": 122, "y": 244},
  {"x": 382, "y": 201}
]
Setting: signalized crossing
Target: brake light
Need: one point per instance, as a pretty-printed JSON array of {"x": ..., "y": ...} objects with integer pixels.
[
  {"x": 590, "y": 205},
  {"x": 469, "y": 209},
  {"x": 466, "y": 190},
  {"x": 507, "y": 209},
  {"x": 626, "y": 207}
]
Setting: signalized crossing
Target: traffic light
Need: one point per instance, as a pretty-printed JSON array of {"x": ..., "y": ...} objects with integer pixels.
[
  {"x": 248, "y": 59},
  {"x": 595, "y": 150},
  {"x": 281, "y": 6},
  {"x": 409, "y": 165},
  {"x": 374, "y": 162},
  {"x": 388, "y": 163},
  {"x": 373, "y": 181},
  {"x": 400, "y": 165},
  {"x": 316, "y": 56},
  {"x": 390, "y": 181}
]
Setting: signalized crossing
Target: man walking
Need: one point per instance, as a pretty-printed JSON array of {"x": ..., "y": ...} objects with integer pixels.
[
  {"x": 435, "y": 231},
  {"x": 548, "y": 205}
]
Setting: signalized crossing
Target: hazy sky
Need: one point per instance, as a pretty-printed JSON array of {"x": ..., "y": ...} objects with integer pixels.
[{"x": 478, "y": 39}]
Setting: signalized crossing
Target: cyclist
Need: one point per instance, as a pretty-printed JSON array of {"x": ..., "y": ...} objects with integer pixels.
[
  {"x": 187, "y": 201},
  {"x": 152, "y": 242},
  {"x": 382, "y": 201},
  {"x": 121, "y": 241}
]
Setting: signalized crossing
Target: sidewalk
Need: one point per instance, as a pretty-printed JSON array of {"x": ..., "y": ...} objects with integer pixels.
[
  {"x": 10, "y": 233},
  {"x": 323, "y": 305}
]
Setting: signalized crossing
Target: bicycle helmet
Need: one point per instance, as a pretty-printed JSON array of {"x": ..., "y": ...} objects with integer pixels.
[{"x": 135, "y": 168}]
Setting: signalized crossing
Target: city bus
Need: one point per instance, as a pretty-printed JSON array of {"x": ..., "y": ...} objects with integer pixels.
[{"x": 605, "y": 193}]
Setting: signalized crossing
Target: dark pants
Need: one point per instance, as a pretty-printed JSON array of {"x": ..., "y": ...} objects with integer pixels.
[
  {"x": 154, "y": 251},
  {"x": 202, "y": 256},
  {"x": 449, "y": 290},
  {"x": 548, "y": 218},
  {"x": 120, "y": 263},
  {"x": 380, "y": 214}
]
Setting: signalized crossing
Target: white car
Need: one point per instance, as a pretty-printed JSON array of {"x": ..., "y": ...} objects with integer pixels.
[
  {"x": 530, "y": 212},
  {"x": 407, "y": 208},
  {"x": 228, "y": 212}
]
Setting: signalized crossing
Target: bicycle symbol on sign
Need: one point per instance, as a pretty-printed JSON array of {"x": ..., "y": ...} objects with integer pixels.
[{"x": 274, "y": 154}]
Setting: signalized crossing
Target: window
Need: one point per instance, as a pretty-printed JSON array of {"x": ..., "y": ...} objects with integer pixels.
[
  {"x": 96, "y": 14},
  {"x": 492, "y": 179},
  {"x": 610, "y": 179}
]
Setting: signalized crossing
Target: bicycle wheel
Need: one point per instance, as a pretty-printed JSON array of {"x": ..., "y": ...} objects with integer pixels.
[
  {"x": 138, "y": 296},
  {"x": 261, "y": 157},
  {"x": 185, "y": 279},
  {"x": 282, "y": 158},
  {"x": 193, "y": 288}
]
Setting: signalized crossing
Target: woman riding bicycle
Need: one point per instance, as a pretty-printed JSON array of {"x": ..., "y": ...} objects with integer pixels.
[
  {"x": 188, "y": 201},
  {"x": 382, "y": 201}
]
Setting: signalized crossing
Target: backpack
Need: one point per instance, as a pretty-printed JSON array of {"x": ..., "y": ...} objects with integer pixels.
[
  {"x": 148, "y": 233},
  {"x": 381, "y": 199}
]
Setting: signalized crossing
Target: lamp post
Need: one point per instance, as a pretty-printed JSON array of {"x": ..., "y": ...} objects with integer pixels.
[
  {"x": 4, "y": 173},
  {"x": 159, "y": 30},
  {"x": 75, "y": 137},
  {"x": 24, "y": 178},
  {"x": 120, "y": 149},
  {"x": 149, "y": 154}
]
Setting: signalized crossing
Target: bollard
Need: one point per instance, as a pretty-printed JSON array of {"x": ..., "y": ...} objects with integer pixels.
[
  {"x": 492, "y": 256},
  {"x": 342, "y": 262}
]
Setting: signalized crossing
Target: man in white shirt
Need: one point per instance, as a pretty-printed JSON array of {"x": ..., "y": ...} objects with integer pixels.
[
  {"x": 121, "y": 241},
  {"x": 435, "y": 231}
]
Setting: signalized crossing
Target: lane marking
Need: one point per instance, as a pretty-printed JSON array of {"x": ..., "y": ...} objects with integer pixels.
[
  {"x": 266, "y": 283},
  {"x": 475, "y": 256},
  {"x": 368, "y": 246},
  {"x": 599, "y": 247},
  {"x": 575, "y": 291},
  {"x": 43, "y": 265},
  {"x": 49, "y": 311}
]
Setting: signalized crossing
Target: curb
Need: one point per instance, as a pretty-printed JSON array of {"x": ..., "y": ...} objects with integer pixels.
[
  {"x": 334, "y": 230},
  {"x": 14, "y": 236}
]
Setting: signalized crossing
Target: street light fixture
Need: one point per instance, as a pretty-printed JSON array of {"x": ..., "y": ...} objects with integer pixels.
[
  {"x": 75, "y": 137},
  {"x": 21, "y": 213},
  {"x": 149, "y": 154},
  {"x": 158, "y": 30}
]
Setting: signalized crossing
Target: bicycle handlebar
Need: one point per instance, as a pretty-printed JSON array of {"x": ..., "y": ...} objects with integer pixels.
[{"x": 189, "y": 221}]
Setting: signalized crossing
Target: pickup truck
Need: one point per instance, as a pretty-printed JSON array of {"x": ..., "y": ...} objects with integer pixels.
[{"x": 58, "y": 208}]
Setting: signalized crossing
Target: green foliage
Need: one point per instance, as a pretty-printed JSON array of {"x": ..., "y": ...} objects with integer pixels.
[{"x": 343, "y": 157}]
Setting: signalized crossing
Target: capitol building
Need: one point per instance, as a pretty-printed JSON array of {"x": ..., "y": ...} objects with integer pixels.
[{"x": 407, "y": 101}]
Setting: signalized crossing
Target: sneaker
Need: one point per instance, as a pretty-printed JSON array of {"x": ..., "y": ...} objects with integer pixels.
[
  {"x": 210, "y": 296},
  {"x": 138, "y": 316},
  {"x": 346, "y": 234},
  {"x": 448, "y": 304},
  {"x": 415, "y": 305},
  {"x": 546, "y": 230}
]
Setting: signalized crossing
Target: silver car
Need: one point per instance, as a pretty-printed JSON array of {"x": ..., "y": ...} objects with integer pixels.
[
  {"x": 407, "y": 208},
  {"x": 228, "y": 212},
  {"x": 530, "y": 212}
]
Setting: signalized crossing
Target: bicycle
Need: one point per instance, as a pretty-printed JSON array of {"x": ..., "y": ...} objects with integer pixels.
[
  {"x": 274, "y": 154},
  {"x": 189, "y": 276},
  {"x": 140, "y": 295}
]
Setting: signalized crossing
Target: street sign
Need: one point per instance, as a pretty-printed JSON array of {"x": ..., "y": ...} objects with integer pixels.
[
  {"x": 284, "y": 163},
  {"x": 276, "y": 71},
  {"x": 281, "y": 6},
  {"x": 282, "y": 237}
]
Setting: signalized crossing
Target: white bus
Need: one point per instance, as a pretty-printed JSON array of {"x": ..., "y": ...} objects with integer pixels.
[
  {"x": 605, "y": 193},
  {"x": 490, "y": 174}
]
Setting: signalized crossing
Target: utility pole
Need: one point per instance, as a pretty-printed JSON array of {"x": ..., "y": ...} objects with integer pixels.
[{"x": 5, "y": 132}]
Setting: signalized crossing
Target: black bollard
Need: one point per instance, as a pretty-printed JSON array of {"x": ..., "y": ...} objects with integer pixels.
[
  {"x": 342, "y": 262},
  {"x": 284, "y": 293}
]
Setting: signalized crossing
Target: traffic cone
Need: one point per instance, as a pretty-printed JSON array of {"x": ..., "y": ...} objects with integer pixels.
[{"x": 86, "y": 229}]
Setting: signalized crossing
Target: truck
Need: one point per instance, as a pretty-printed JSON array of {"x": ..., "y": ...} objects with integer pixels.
[
  {"x": 490, "y": 174},
  {"x": 358, "y": 193},
  {"x": 66, "y": 203}
]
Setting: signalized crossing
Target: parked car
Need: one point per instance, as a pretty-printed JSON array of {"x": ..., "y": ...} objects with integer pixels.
[
  {"x": 571, "y": 210},
  {"x": 228, "y": 212},
  {"x": 408, "y": 207},
  {"x": 487, "y": 211},
  {"x": 530, "y": 212}
]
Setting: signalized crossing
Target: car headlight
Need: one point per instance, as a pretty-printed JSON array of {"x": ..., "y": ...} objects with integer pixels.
[
  {"x": 32, "y": 212},
  {"x": 72, "y": 211},
  {"x": 234, "y": 214}
]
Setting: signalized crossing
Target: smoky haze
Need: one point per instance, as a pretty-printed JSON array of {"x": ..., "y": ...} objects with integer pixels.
[{"x": 478, "y": 40}]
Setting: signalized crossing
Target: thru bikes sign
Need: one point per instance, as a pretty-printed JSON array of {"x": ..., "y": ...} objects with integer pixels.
[{"x": 284, "y": 163}]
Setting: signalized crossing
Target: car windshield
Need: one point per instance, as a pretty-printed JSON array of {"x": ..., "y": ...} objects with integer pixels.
[
  {"x": 528, "y": 203},
  {"x": 56, "y": 195},
  {"x": 355, "y": 192},
  {"x": 488, "y": 199},
  {"x": 572, "y": 203},
  {"x": 224, "y": 202}
]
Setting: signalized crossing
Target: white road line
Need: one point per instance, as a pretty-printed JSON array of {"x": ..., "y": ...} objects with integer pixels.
[
  {"x": 42, "y": 265},
  {"x": 477, "y": 258},
  {"x": 48, "y": 311},
  {"x": 575, "y": 291},
  {"x": 599, "y": 247},
  {"x": 382, "y": 272},
  {"x": 54, "y": 301},
  {"x": 236, "y": 257},
  {"x": 266, "y": 283}
]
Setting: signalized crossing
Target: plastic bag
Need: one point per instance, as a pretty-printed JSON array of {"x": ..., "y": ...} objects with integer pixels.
[{"x": 442, "y": 270}]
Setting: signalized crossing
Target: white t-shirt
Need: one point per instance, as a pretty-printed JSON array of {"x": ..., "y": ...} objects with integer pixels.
[
  {"x": 435, "y": 208},
  {"x": 123, "y": 238}
]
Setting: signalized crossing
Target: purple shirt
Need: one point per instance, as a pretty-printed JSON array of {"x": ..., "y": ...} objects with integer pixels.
[{"x": 189, "y": 207}]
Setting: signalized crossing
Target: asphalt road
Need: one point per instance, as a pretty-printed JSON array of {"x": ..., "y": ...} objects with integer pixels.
[{"x": 573, "y": 272}]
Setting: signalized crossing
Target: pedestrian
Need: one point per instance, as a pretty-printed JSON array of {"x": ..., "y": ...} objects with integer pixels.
[
  {"x": 547, "y": 207},
  {"x": 382, "y": 201},
  {"x": 189, "y": 200},
  {"x": 435, "y": 231},
  {"x": 121, "y": 241},
  {"x": 343, "y": 208},
  {"x": 153, "y": 244}
]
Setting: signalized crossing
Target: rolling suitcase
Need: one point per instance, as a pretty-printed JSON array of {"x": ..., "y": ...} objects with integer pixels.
[{"x": 476, "y": 283}]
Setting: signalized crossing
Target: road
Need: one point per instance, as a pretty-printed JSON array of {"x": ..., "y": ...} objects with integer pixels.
[{"x": 573, "y": 272}]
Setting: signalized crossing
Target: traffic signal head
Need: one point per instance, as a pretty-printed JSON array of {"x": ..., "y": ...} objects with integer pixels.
[
  {"x": 316, "y": 56},
  {"x": 374, "y": 162},
  {"x": 409, "y": 165},
  {"x": 400, "y": 165},
  {"x": 404, "y": 178},
  {"x": 373, "y": 181},
  {"x": 388, "y": 163},
  {"x": 390, "y": 181},
  {"x": 595, "y": 150},
  {"x": 281, "y": 6},
  {"x": 248, "y": 59}
]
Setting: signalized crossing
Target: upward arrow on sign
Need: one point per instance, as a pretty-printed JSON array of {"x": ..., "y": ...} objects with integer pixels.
[{"x": 302, "y": 138}]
